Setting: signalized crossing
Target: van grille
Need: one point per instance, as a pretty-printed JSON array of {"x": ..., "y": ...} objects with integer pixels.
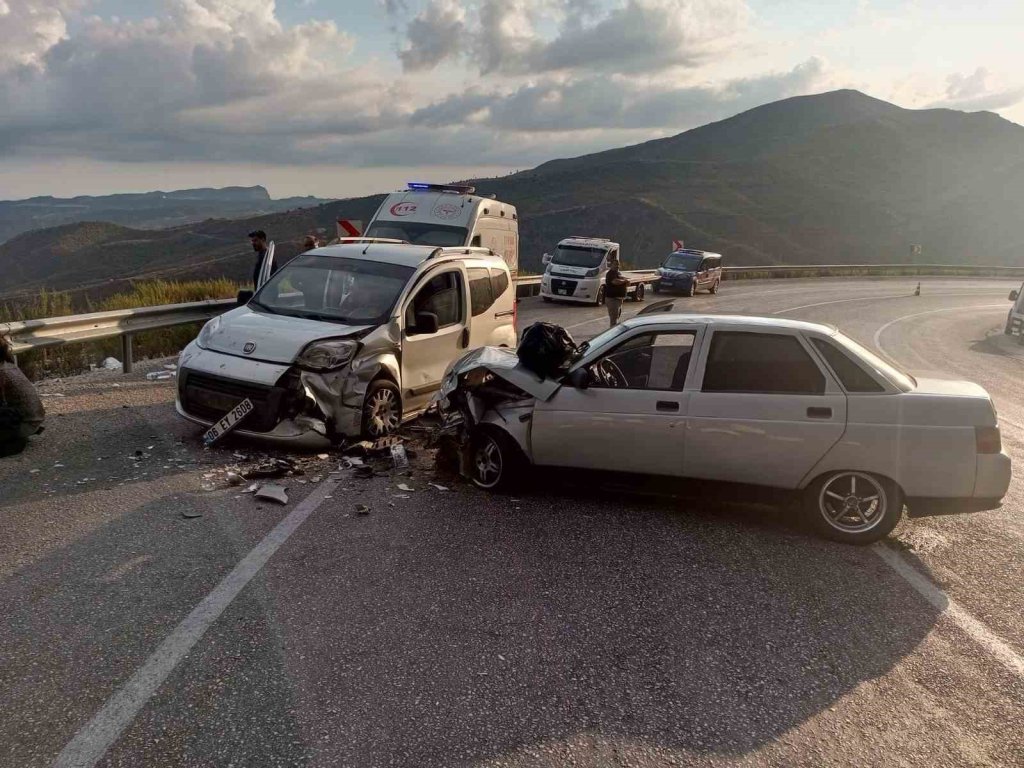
[{"x": 210, "y": 397}]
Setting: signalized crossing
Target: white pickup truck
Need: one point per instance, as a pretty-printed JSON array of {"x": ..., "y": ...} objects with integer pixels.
[{"x": 577, "y": 269}]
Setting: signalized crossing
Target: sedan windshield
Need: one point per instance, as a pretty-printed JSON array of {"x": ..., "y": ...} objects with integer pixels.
[
  {"x": 337, "y": 290},
  {"x": 578, "y": 256},
  {"x": 685, "y": 262},
  {"x": 419, "y": 234}
]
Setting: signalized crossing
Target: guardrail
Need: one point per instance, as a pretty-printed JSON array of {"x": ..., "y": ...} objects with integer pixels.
[{"x": 51, "y": 332}]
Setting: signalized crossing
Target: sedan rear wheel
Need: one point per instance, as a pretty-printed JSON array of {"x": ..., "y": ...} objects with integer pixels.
[{"x": 853, "y": 507}]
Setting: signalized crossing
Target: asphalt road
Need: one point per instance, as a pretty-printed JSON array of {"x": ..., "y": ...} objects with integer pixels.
[{"x": 455, "y": 628}]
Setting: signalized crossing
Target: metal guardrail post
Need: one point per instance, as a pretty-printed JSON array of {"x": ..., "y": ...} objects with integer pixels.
[{"x": 126, "y": 353}]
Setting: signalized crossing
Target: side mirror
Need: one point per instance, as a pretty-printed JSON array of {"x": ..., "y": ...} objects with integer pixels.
[
  {"x": 546, "y": 259},
  {"x": 244, "y": 297},
  {"x": 580, "y": 378},
  {"x": 1013, "y": 295},
  {"x": 426, "y": 322}
]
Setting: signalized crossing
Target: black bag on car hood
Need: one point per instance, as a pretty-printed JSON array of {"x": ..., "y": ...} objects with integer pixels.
[{"x": 546, "y": 349}]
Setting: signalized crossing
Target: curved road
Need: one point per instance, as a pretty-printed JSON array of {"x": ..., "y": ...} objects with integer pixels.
[{"x": 451, "y": 628}]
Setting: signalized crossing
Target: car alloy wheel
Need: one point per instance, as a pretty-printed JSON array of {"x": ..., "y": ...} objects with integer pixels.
[
  {"x": 488, "y": 462},
  {"x": 852, "y": 502},
  {"x": 382, "y": 413}
]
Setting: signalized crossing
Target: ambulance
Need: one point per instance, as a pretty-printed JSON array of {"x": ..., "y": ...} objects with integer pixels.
[{"x": 449, "y": 215}]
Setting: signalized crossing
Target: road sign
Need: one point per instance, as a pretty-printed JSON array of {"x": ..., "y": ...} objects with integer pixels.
[
  {"x": 350, "y": 228},
  {"x": 677, "y": 245}
]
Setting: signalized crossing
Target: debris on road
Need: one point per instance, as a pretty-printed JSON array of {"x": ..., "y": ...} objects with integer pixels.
[
  {"x": 274, "y": 468},
  {"x": 439, "y": 487},
  {"x": 252, "y": 488},
  {"x": 160, "y": 375},
  {"x": 362, "y": 510},
  {"x": 273, "y": 492},
  {"x": 189, "y": 514},
  {"x": 399, "y": 457},
  {"x": 405, "y": 487},
  {"x": 234, "y": 478}
]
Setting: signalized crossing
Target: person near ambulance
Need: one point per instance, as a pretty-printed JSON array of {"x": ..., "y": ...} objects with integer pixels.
[
  {"x": 615, "y": 289},
  {"x": 258, "y": 238}
]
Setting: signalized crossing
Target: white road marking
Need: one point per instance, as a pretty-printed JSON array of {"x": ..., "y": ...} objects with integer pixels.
[
  {"x": 877, "y": 340},
  {"x": 871, "y": 298},
  {"x": 977, "y": 631},
  {"x": 90, "y": 743}
]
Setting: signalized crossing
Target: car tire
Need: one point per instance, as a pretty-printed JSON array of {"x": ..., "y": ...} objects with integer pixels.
[
  {"x": 638, "y": 294},
  {"x": 496, "y": 462},
  {"x": 546, "y": 299},
  {"x": 382, "y": 410},
  {"x": 714, "y": 288},
  {"x": 853, "y": 507},
  {"x": 600, "y": 297}
]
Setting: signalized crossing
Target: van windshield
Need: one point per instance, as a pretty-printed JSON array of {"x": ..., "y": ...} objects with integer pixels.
[
  {"x": 687, "y": 262},
  {"x": 578, "y": 256},
  {"x": 419, "y": 233},
  {"x": 332, "y": 289}
]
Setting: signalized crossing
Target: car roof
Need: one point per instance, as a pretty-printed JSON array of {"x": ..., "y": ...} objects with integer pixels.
[
  {"x": 695, "y": 252},
  {"x": 767, "y": 323},
  {"x": 403, "y": 254}
]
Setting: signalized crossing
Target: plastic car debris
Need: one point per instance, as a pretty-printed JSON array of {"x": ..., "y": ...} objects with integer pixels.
[
  {"x": 160, "y": 375},
  {"x": 189, "y": 514},
  {"x": 405, "y": 487},
  {"x": 399, "y": 457},
  {"x": 362, "y": 509},
  {"x": 439, "y": 487},
  {"x": 273, "y": 492}
]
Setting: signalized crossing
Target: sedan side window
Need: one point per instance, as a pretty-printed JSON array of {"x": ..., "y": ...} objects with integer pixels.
[
  {"x": 657, "y": 361},
  {"x": 740, "y": 361},
  {"x": 850, "y": 374}
]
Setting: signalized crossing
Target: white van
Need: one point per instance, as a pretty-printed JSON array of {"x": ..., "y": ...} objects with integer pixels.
[
  {"x": 1015, "y": 317},
  {"x": 577, "y": 268},
  {"x": 449, "y": 215},
  {"x": 346, "y": 340}
]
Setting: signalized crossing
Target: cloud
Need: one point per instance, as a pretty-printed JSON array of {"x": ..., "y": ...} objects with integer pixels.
[
  {"x": 28, "y": 29},
  {"x": 973, "y": 92},
  {"x": 501, "y": 36},
  {"x": 616, "y": 103}
]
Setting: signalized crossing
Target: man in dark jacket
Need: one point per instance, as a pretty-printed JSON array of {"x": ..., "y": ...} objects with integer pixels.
[
  {"x": 258, "y": 238},
  {"x": 614, "y": 291},
  {"x": 21, "y": 410}
]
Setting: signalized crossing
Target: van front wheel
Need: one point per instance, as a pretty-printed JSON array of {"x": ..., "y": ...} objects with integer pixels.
[
  {"x": 382, "y": 410},
  {"x": 600, "y": 297}
]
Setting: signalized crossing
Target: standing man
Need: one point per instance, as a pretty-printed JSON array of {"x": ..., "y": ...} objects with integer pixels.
[
  {"x": 310, "y": 243},
  {"x": 258, "y": 238},
  {"x": 614, "y": 291}
]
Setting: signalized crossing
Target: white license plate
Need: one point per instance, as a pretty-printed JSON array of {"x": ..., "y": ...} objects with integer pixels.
[
  {"x": 562, "y": 292},
  {"x": 228, "y": 422}
]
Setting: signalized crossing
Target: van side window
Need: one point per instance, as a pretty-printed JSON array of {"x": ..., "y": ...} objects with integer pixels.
[
  {"x": 442, "y": 296},
  {"x": 499, "y": 283},
  {"x": 480, "y": 296},
  {"x": 740, "y": 361}
]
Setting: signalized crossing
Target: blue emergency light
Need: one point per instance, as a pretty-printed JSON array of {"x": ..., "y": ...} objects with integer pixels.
[{"x": 461, "y": 189}]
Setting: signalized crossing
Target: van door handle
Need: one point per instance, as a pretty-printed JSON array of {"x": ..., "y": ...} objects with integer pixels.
[
  {"x": 667, "y": 405},
  {"x": 819, "y": 413},
  {"x": 506, "y": 313},
  {"x": 465, "y": 337}
]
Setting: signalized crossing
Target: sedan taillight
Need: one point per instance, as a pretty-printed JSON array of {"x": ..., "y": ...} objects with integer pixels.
[{"x": 988, "y": 440}]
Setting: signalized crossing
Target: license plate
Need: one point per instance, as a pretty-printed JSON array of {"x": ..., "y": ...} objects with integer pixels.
[
  {"x": 562, "y": 292},
  {"x": 228, "y": 422}
]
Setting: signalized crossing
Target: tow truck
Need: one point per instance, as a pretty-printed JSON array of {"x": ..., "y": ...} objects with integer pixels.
[{"x": 577, "y": 269}]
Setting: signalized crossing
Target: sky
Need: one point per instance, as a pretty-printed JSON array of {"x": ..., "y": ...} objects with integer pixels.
[{"x": 337, "y": 98}]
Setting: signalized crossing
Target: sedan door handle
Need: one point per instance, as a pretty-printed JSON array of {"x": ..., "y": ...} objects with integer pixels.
[
  {"x": 667, "y": 405},
  {"x": 819, "y": 413}
]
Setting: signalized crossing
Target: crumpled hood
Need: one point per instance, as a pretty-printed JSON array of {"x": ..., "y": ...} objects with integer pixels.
[
  {"x": 277, "y": 338},
  {"x": 502, "y": 363}
]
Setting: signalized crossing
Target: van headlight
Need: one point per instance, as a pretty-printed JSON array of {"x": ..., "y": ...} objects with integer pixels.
[
  {"x": 327, "y": 355},
  {"x": 207, "y": 331},
  {"x": 593, "y": 272}
]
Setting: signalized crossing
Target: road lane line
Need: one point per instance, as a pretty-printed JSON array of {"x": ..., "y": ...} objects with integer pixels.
[
  {"x": 91, "y": 742},
  {"x": 978, "y": 632},
  {"x": 877, "y": 339}
]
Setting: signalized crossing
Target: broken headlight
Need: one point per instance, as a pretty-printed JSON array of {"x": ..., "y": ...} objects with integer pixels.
[
  {"x": 203, "y": 339},
  {"x": 327, "y": 355}
]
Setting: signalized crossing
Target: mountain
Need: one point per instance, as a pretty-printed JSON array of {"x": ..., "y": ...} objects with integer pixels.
[
  {"x": 838, "y": 177},
  {"x": 148, "y": 210}
]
